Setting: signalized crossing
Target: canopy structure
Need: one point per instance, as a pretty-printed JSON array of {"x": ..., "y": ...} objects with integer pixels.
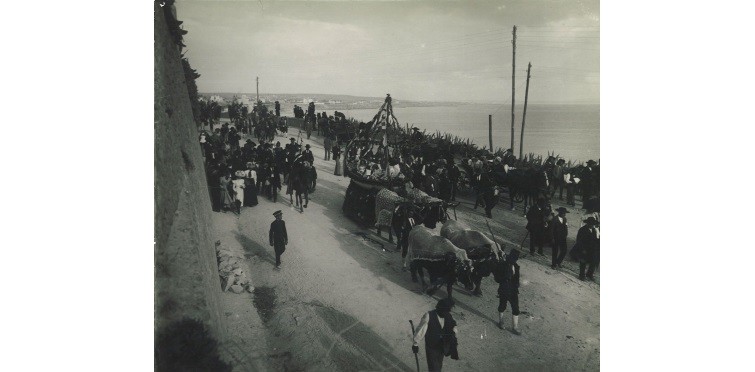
[
  {"x": 374, "y": 146},
  {"x": 382, "y": 137}
]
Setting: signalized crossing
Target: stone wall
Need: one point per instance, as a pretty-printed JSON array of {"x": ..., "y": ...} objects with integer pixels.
[{"x": 186, "y": 273}]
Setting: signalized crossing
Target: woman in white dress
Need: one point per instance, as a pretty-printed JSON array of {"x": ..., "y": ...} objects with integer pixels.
[{"x": 238, "y": 189}]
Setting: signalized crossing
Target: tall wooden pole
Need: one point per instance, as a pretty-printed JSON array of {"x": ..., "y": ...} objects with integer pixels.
[
  {"x": 513, "y": 74},
  {"x": 490, "y": 131},
  {"x": 258, "y": 91},
  {"x": 524, "y": 114}
]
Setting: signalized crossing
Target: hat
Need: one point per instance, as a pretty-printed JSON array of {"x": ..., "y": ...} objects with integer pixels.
[
  {"x": 444, "y": 305},
  {"x": 278, "y": 212},
  {"x": 562, "y": 209},
  {"x": 591, "y": 162},
  {"x": 415, "y": 128},
  {"x": 307, "y": 145},
  {"x": 292, "y": 139},
  {"x": 512, "y": 256},
  {"x": 591, "y": 221},
  {"x": 249, "y": 164}
]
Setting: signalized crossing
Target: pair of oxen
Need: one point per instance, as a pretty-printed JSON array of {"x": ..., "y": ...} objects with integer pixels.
[{"x": 458, "y": 254}]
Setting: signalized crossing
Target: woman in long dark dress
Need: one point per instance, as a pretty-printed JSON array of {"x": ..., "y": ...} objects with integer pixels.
[
  {"x": 263, "y": 176},
  {"x": 250, "y": 189}
]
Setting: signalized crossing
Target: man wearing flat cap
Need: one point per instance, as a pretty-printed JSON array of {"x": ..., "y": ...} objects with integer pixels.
[
  {"x": 278, "y": 237},
  {"x": 560, "y": 232}
]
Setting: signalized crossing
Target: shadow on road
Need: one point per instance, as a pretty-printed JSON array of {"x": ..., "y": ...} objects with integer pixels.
[{"x": 252, "y": 248}]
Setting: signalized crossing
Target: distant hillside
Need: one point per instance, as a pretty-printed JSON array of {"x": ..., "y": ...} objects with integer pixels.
[{"x": 330, "y": 101}]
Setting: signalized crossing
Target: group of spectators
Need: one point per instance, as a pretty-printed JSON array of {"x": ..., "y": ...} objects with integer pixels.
[{"x": 239, "y": 170}]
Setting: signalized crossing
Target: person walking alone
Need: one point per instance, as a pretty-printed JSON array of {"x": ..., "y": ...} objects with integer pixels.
[
  {"x": 278, "y": 237},
  {"x": 438, "y": 328}
]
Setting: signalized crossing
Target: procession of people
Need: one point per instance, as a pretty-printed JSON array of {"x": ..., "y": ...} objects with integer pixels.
[{"x": 240, "y": 171}]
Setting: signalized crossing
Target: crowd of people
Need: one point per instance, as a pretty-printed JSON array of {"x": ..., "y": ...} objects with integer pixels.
[{"x": 240, "y": 170}]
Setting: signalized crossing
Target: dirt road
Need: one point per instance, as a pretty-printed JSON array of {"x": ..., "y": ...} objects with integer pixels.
[{"x": 342, "y": 301}]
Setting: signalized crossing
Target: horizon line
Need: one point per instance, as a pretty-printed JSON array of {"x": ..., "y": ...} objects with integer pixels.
[{"x": 414, "y": 100}]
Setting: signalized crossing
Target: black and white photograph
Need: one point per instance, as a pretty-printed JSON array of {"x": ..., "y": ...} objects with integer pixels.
[
  {"x": 376, "y": 185},
  {"x": 363, "y": 186}
]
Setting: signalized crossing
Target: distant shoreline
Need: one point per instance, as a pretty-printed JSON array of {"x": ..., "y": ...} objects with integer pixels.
[{"x": 347, "y": 102}]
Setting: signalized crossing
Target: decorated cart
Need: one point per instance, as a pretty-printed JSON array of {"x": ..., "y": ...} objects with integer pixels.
[{"x": 373, "y": 154}]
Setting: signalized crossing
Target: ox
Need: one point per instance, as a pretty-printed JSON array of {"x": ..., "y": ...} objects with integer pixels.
[
  {"x": 481, "y": 250},
  {"x": 444, "y": 262}
]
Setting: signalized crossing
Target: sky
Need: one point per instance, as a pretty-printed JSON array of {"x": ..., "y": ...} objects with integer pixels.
[{"x": 414, "y": 50}]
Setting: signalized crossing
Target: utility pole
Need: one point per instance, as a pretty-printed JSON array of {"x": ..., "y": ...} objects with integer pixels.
[
  {"x": 258, "y": 91},
  {"x": 513, "y": 75},
  {"x": 524, "y": 114},
  {"x": 490, "y": 132}
]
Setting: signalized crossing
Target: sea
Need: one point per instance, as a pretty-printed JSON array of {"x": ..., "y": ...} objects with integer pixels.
[{"x": 571, "y": 132}]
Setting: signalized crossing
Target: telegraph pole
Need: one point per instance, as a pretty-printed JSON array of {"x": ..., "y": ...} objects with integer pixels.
[
  {"x": 490, "y": 132},
  {"x": 513, "y": 75},
  {"x": 258, "y": 91},
  {"x": 524, "y": 114}
]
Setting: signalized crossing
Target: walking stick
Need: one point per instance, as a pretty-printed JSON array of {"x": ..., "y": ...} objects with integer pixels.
[
  {"x": 416, "y": 358},
  {"x": 525, "y": 237},
  {"x": 494, "y": 239}
]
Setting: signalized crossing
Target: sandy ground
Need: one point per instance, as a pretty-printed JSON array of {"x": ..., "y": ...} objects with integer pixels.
[{"x": 342, "y": 302}]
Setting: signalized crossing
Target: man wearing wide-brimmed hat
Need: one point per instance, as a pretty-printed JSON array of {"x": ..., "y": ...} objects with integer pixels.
[
  {"x": 560, "y": 232},
  {"x": 438, "y": 328},
  {"x": 588, "y": 248},
  {"x": 278, "y": 237}
]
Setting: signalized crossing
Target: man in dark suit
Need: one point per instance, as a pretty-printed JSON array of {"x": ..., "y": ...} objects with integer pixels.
[
  {"x": 560, "y": 232},
  {"x": 278, "y": 237},
  {"x": 588, "y": 248},
  {"x": 536, "y": 226},
  {"x": 308, "y": 155}
]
